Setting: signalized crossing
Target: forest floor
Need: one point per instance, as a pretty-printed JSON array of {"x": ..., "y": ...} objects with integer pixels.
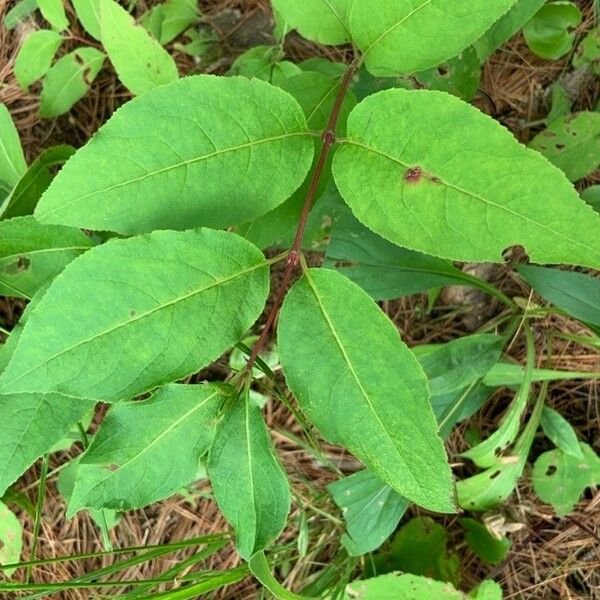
[{"x": 550, "y": 557}]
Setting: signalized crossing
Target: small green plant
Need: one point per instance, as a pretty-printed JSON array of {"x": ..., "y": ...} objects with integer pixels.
[
  {"x": 134, "y": 50},
  {"x": 193, "y": 179}
]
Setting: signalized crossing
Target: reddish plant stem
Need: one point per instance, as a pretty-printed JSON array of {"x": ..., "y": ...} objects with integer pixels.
[{"x": 293, "y": 257}]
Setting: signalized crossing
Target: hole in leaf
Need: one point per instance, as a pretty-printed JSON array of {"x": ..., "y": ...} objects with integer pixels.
[
  {"x": 550, "y": 470},
  {"x": 560, "y": 146},
  {"x": 495, "y": 474},
  {"x": 443, "y": 70}
]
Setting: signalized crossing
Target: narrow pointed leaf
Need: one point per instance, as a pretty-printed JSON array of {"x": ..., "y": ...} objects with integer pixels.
[
  {"x": 575, "y": 293},
  {"x": 249, "y": 484},
  {"x": 54, "y": 12},
  {"x": 127, "y": 465},
  {"x": 35, "y": 56},
  {"x": 561, "y": 432},
  {"x": 398, "y": 37},
  {"x": 219, "y": 151},
  {"x": 32, "y": 254},
  {"x": 323, "y": 21},
  {"x": 448, "y": 185},
  {"x": 68, "y": 80},
  {"x": 88, "y": 13},
  {"x": 29, "y": 189},
  {"x": 12, "y": 160},
  {"x": 139, "y": 60},
  {"x": 31, "y": 424},
  {"x": 361, "y": 386},
  {"x": 142, "y": 312}
]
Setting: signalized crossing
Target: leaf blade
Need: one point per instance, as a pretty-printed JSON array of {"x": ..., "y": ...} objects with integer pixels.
[{"x": 322, "y": 315}]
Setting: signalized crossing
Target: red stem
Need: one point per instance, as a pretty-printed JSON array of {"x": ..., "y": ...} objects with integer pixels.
[{"x": 293, "y": 257}]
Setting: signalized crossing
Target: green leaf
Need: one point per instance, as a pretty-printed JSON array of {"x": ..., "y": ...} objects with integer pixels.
[
  {"x": 264, "y": 63},
  {"x": 8, "y": 348},
  {"x": 550, "y": 32},
  {"x": 561, "y": 103},
  {"x": 12, "y": 160},
  {"x": 11, "y": 539},
  {"x": 248, "y": 482},
  {"x": 412, "y": 587},
  {"x": 88, "y": 13},
  {"x": 501, "y": 31},
  {"x": 561, "y": 432},
  {"x": 460, "y": 76},
  {"x": 560, "y": 479},
  {"x": 572, "y": 143},
  {"x": 126, "y": 465},
  {"x": 483, "y": 543},
  {"x": 588, "y": 52},
  {"x": 371, "y": 509},
  {"x": 454, "y": 366},
  {"x": 508, "y": 374},
  {"x": 167, "y": 20},
  {"x": 253, "y": 132},
  {"x": 139, "y": 60},
  {"x": 492, "y": 487},
  {"x": 382, "y": 269},
  {"x": 29, "y": 189},
  {"x": 451, "y": 190},
  {"x": 489, "y": 453},
  {"x": 591, "y": 195},
  {"x": 318, "y": 64},
  {"x": 31, "y": 424},
  {"x": 54, "y": 12},
  {"x": 399, "y": 37},
  {"x": 260, "y": 569},
  {"x": 35, "y": 56},
  {"x": 420, "y": 547},
  {"x": 19, "y": 13},
  {"x": 323, "y": 21},
  {"x": 143, "y": 312},
  {"x": 68, "y": 80},
  {"x": 361, "y": 386},
  {"x": 575, "y": 293},
  {"x": 32, "y": 254}
]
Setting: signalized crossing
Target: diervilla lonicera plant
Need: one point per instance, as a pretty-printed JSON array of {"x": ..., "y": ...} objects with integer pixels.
[{"x": 186, "y": 175}]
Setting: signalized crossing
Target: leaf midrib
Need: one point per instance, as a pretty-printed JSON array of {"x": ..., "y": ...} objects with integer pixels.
[
  {"x": 178, "y": 165},
  {"x": 472, "y": 195},
  {"x": 355, "y": 375},
  {"x": 396, "y": 25},
  {"x": 155, "y": 441},
  {"x": 128, "y": 322}
]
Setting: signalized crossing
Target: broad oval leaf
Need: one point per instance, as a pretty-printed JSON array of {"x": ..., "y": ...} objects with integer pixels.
[
  {"x": 35, "y": 56},
  {"x": 560, "y": 479},
  {"x": 572, "y": 143},
  {"x": 32, "y": 254},
  {"x": 323, "y": 21},
  {"x": 142, "y": 312},
  {"x": 68, "y": 80},
  {"x": 429, "y": 172},
  {"x": 31, "y": 424},
  {"x": 168, "y": 19},
  {"x": 249, "y": 484},
  {"x": 139, "y": 60},
  {"x": 561, "y": 432},
  {"x": 361, "y": 386},
  {"x": 126, "y": 465},
  {"x": 205, "y": 150},
  {"x": 398, "y": 37}
]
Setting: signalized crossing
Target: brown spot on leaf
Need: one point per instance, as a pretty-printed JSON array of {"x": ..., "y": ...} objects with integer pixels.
[
  {"x": 113, "y": 467},
  {"x": 413, "y": 175}
]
